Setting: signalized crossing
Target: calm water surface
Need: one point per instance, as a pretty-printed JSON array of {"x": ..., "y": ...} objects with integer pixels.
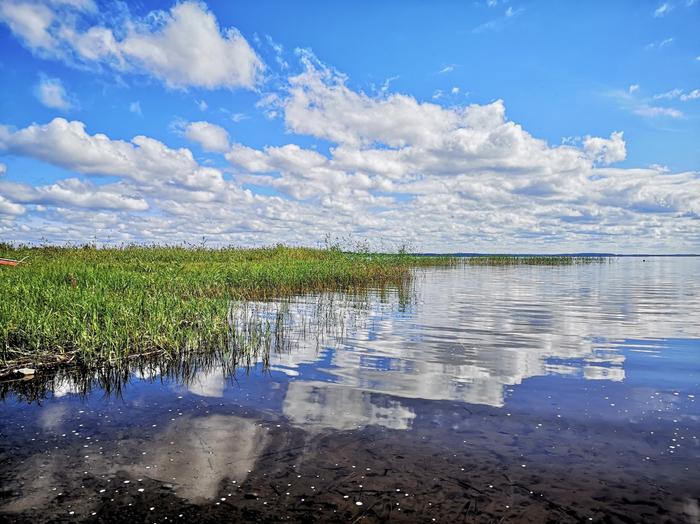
[{"x": 488, "y": 394}]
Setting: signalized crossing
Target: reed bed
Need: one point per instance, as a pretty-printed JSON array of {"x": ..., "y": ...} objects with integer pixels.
[
  {"x": 89, "y": 305},
  {"x": 528, "y": 260},
  {"x": 258, "y": 331}
]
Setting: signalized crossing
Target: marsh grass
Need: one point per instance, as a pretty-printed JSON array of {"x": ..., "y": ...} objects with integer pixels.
[
  {"x": 527, "y": 260},
  {"x": 87, "y": 305},
  {"x": 258, "y": 331}
]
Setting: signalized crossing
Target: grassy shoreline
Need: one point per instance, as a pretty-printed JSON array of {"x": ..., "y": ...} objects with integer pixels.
[
  {"x": 89, "y": 305},
  {"x": 531, "y": 260}
]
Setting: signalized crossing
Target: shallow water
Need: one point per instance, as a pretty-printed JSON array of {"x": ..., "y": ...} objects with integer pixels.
[{"x": 492, "y": 394}]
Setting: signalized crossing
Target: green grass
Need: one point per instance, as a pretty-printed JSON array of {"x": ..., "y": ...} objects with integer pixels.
[
  {"x": 539, "y": 260},
  {"x": 88, "y": 305}
]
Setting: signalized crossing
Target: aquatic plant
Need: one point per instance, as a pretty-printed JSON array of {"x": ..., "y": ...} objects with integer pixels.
[
  {"x": 257, "y": 331},
  {"x": 531, "y": 260},
  {"x": 84, "y": 304}
]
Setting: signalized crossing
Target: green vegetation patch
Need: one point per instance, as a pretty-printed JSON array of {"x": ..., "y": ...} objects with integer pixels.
[
  {"x": 83, "y": 304},
  {"x": 527, "y": 260}
]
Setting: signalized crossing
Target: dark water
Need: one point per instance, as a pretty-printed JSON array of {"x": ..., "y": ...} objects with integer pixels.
[{"x": 533, "y": 394}]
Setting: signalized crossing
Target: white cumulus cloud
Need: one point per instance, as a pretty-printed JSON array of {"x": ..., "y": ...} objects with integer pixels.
[
  {"x": 10, "y": 208},
  {"x": 182, "y": 47},
  {"x": 73, "y": 192},
  {"x": 606, "y": 150},
  {"x": 66, "y": 144},
  {"x": 210, "y": 136},
  {"x": 189, "y": 50}
]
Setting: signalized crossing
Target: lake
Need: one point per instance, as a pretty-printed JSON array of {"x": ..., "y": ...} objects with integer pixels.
[{"x": 477, "y": 394}]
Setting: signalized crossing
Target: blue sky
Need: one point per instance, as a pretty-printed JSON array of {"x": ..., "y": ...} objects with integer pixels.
[{"x": 487, "y": 125}]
